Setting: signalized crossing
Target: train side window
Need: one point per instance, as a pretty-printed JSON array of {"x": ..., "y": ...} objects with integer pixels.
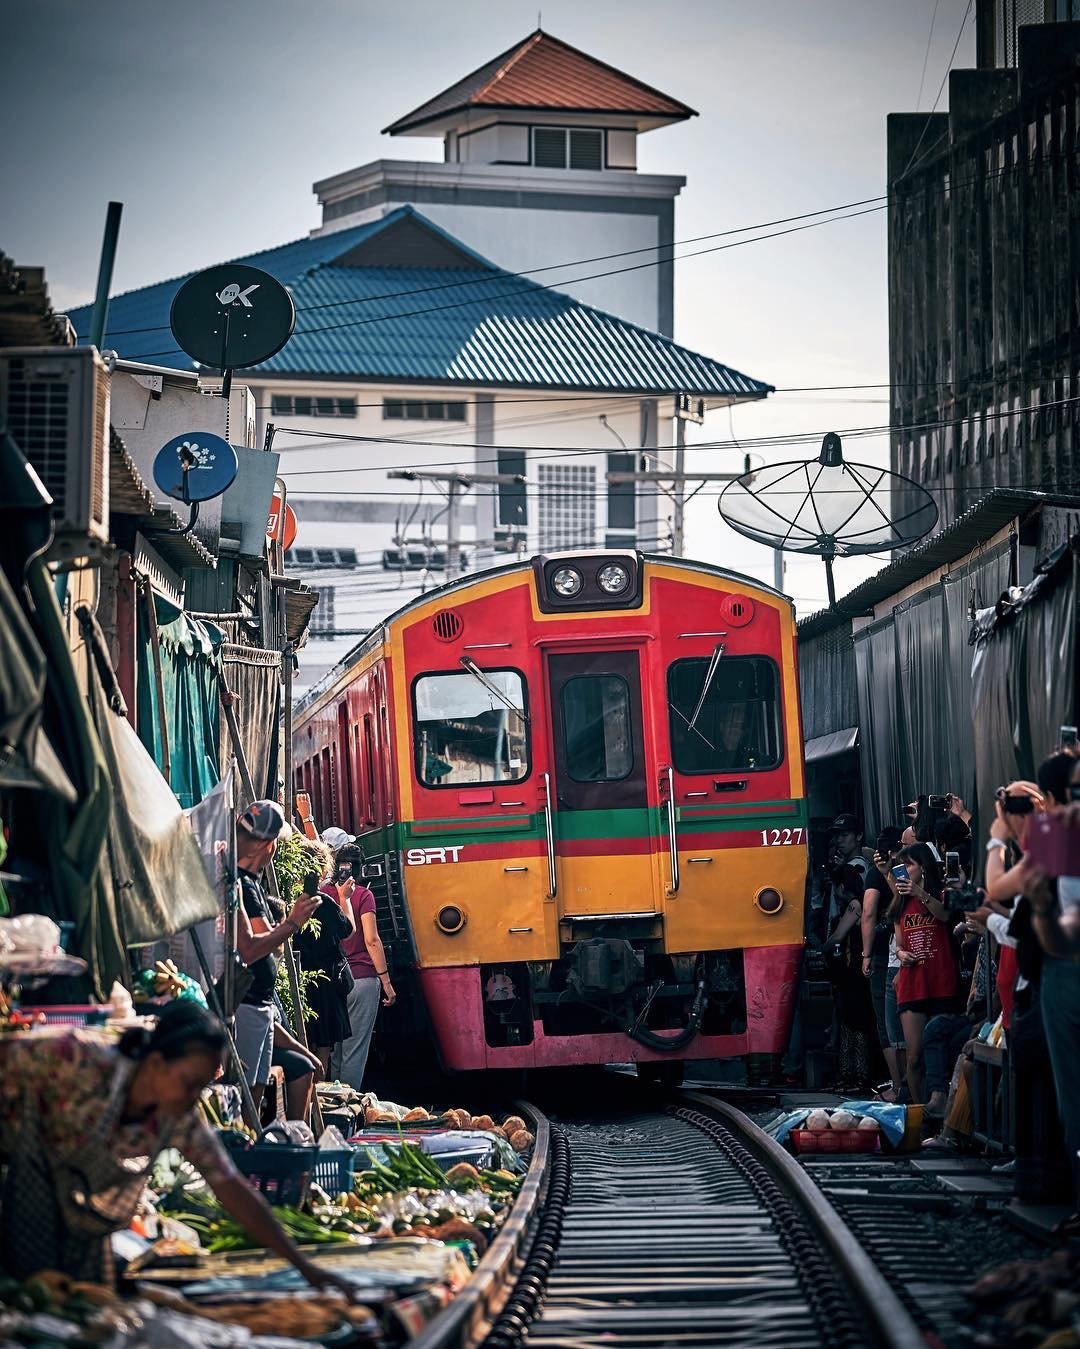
[
  {"x": 738, "y": 726},
  {"x": 370, "y": 802},
  {"x": 464, "y": 734},
  {"x": 329, "y": 804},
  {"x": 596, "y": 717}
]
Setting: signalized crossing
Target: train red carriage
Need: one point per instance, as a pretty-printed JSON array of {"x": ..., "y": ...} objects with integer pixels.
[{"x": 582, "y": 779}]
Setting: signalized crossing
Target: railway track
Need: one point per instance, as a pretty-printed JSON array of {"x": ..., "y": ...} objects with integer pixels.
[{"x": 671, "y": 1221}]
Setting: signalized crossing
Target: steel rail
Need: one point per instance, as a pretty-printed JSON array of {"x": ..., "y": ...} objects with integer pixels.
[
  {"x": 468, "y": 1319},
  {"x": 893, "y": 1325}
]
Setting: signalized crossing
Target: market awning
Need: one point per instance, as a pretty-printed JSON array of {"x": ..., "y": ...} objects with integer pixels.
[{"x": 828, "y": 746}]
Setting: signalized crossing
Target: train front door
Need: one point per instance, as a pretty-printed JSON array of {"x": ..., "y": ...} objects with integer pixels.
[{"x": 605, "y": 845}]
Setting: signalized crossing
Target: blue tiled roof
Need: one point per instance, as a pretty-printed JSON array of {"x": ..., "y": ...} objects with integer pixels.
[{"x": 472, "y": 324}]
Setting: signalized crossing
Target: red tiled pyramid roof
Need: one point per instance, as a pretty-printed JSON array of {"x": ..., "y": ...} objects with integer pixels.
[{"x": 545, "y": 73}]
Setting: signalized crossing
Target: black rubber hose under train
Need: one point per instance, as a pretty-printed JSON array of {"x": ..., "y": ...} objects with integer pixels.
[{"x": 669, "y": 1044}]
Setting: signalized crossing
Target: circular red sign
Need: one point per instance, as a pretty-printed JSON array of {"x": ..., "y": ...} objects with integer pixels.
[{"x": 290, "y": 523}]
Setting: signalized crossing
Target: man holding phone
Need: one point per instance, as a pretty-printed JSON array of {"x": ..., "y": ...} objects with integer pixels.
[{"x": 260, "y": 935}]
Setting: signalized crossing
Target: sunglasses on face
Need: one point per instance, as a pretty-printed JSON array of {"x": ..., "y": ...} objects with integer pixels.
[{"x": 1015, "y": 805}]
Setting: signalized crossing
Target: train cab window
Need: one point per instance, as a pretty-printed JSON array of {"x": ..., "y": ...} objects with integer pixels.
[
  {"x": 737, "y": 727},
  {"x": 596, "y": 717},
  {"x": 465, "y": 733}
]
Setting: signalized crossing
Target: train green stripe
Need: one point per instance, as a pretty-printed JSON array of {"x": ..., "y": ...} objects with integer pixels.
[{"x": 583, "y": 826}]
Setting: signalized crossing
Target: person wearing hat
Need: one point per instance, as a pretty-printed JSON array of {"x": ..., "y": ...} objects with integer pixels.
[
  {"x": 336, "y": 838},
  {"x": 260, "y": 935}
]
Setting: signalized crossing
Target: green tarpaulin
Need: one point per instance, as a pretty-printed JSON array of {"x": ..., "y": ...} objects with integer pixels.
[{"x": 189, "y": 666}]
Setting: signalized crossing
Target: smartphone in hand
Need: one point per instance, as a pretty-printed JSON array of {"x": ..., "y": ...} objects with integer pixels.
[{"x": 1053, "y": 847}]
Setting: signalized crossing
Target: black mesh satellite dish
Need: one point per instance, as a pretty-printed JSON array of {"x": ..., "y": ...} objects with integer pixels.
[
  {"x": 232, "y": 317},
  {"x": 828, "y": 507}
]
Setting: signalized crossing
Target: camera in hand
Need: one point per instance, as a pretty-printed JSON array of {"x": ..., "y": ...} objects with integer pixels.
[
  {"x": 962, "y": 898},
  {"x": 343, "y": 873}
]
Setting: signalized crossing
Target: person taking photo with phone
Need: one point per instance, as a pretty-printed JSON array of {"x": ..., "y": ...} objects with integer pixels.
[
  {"x": 928, "y": 982},
  {"x": 366, "y": 957},
  {"x": 261, "y": 933}
]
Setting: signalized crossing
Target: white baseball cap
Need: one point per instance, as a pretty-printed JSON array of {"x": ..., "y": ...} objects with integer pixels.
[{"x": 336, "y": 838}]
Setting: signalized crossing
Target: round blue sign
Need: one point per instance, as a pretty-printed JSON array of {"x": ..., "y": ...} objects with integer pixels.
[{"x": 195, "y": 467}]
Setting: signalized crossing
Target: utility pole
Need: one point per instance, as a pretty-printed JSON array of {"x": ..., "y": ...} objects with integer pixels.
[
  {"x": 687, "y": 409},
  {"x": 678, "y": 514},
  {"x": 675, "y": 480},
  {"x": 455, "y": 484}
]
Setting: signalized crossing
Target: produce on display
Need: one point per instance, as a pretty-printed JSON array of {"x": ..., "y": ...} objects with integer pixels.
[
  {"x": 837, "y": 1130},
  {"x": 398, "y": 1203}
]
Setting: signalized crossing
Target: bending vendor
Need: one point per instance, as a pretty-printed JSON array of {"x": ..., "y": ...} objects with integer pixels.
[{"x": 82, "y": 1118}]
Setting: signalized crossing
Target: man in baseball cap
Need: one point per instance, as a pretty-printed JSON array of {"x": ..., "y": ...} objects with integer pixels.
[
  {"x": 336, "y": 838},
  {"x": 265, "y": 821},
  {"x": 262, "y": 931},
  {"x": 845, "y": 839}
]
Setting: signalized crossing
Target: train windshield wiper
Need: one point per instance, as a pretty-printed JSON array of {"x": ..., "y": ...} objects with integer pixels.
[
  {"x": 493, "y": 688},
  {"x": 710, "y": 675}
]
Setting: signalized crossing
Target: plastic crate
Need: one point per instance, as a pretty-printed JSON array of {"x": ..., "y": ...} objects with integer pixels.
[
  {"x": 70, "y": 1014},
  {"x": 281, "y": 1172},
  {"x": 334, "y": 1169},
  {"x": 835, "y": 1140}
]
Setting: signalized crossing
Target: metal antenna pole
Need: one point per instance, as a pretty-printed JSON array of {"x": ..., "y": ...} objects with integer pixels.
[{"x": 100, "y": 312}]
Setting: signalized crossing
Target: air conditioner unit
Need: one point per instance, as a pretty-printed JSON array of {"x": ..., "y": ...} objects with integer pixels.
[{"x": 54, "y": 403}]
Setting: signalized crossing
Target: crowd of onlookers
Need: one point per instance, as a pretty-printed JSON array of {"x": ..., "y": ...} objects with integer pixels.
[
  {"x": 342, "y": 977},
  {"x": 936, "y": 939}
]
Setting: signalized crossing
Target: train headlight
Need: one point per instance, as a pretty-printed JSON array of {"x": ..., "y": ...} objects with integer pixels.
[
  {"x": 450, "y": 919},
  {"x": 613, "y": 579},
  {"x": 769, "y": 900},
  {"x": 567, "y": 582}
]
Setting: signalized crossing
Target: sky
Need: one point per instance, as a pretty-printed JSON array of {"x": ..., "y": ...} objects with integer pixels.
[{"x": 210, "y": 120}]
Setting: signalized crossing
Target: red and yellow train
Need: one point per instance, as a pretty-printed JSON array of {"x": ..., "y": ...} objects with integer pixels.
[{"x": 582, "y": 777}]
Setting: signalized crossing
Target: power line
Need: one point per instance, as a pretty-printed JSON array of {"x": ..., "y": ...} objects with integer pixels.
[
  {"x": 498, "y": 273},
  {"x": 833, "y": 214},
  {"x": 540, "y": 452},
  {"x": 535, "y": 285},
  {"x": 596, "y": 397},
  {"x": 926, "y": 54},
  {"x": 941, "y": 90}
]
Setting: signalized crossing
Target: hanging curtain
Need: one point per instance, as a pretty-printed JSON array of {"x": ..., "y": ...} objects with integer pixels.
[
  {"x": 875, "y": 666},
  {"x": 191, "y": 729}
]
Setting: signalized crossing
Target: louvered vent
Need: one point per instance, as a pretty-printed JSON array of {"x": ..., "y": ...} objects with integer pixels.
[
  {"x": 54, "y": 402},
  {"x": 447, "y": 626}
]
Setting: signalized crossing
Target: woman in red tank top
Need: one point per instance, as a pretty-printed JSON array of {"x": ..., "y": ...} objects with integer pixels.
[{"x": 928, "y": 982}]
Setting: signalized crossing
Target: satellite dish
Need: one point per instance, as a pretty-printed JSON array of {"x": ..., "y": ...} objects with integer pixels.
[
  {"x": 195, "y": 467},
  {"x": 828, "y": 507},
  {"x": 232, "y": 317}
]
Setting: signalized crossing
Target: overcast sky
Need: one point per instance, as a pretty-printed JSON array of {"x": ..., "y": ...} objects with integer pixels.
[{"x": 210, "y": 120}]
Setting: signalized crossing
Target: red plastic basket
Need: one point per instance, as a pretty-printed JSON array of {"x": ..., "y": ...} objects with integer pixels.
[{"x": 834, "y": 1140}]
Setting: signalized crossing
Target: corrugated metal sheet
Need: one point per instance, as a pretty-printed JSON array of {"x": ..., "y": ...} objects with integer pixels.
[
  {"x": 546, "y": 74},
  {"x": 426, "y": 325},
  {"x": 975, "y": 526}
]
